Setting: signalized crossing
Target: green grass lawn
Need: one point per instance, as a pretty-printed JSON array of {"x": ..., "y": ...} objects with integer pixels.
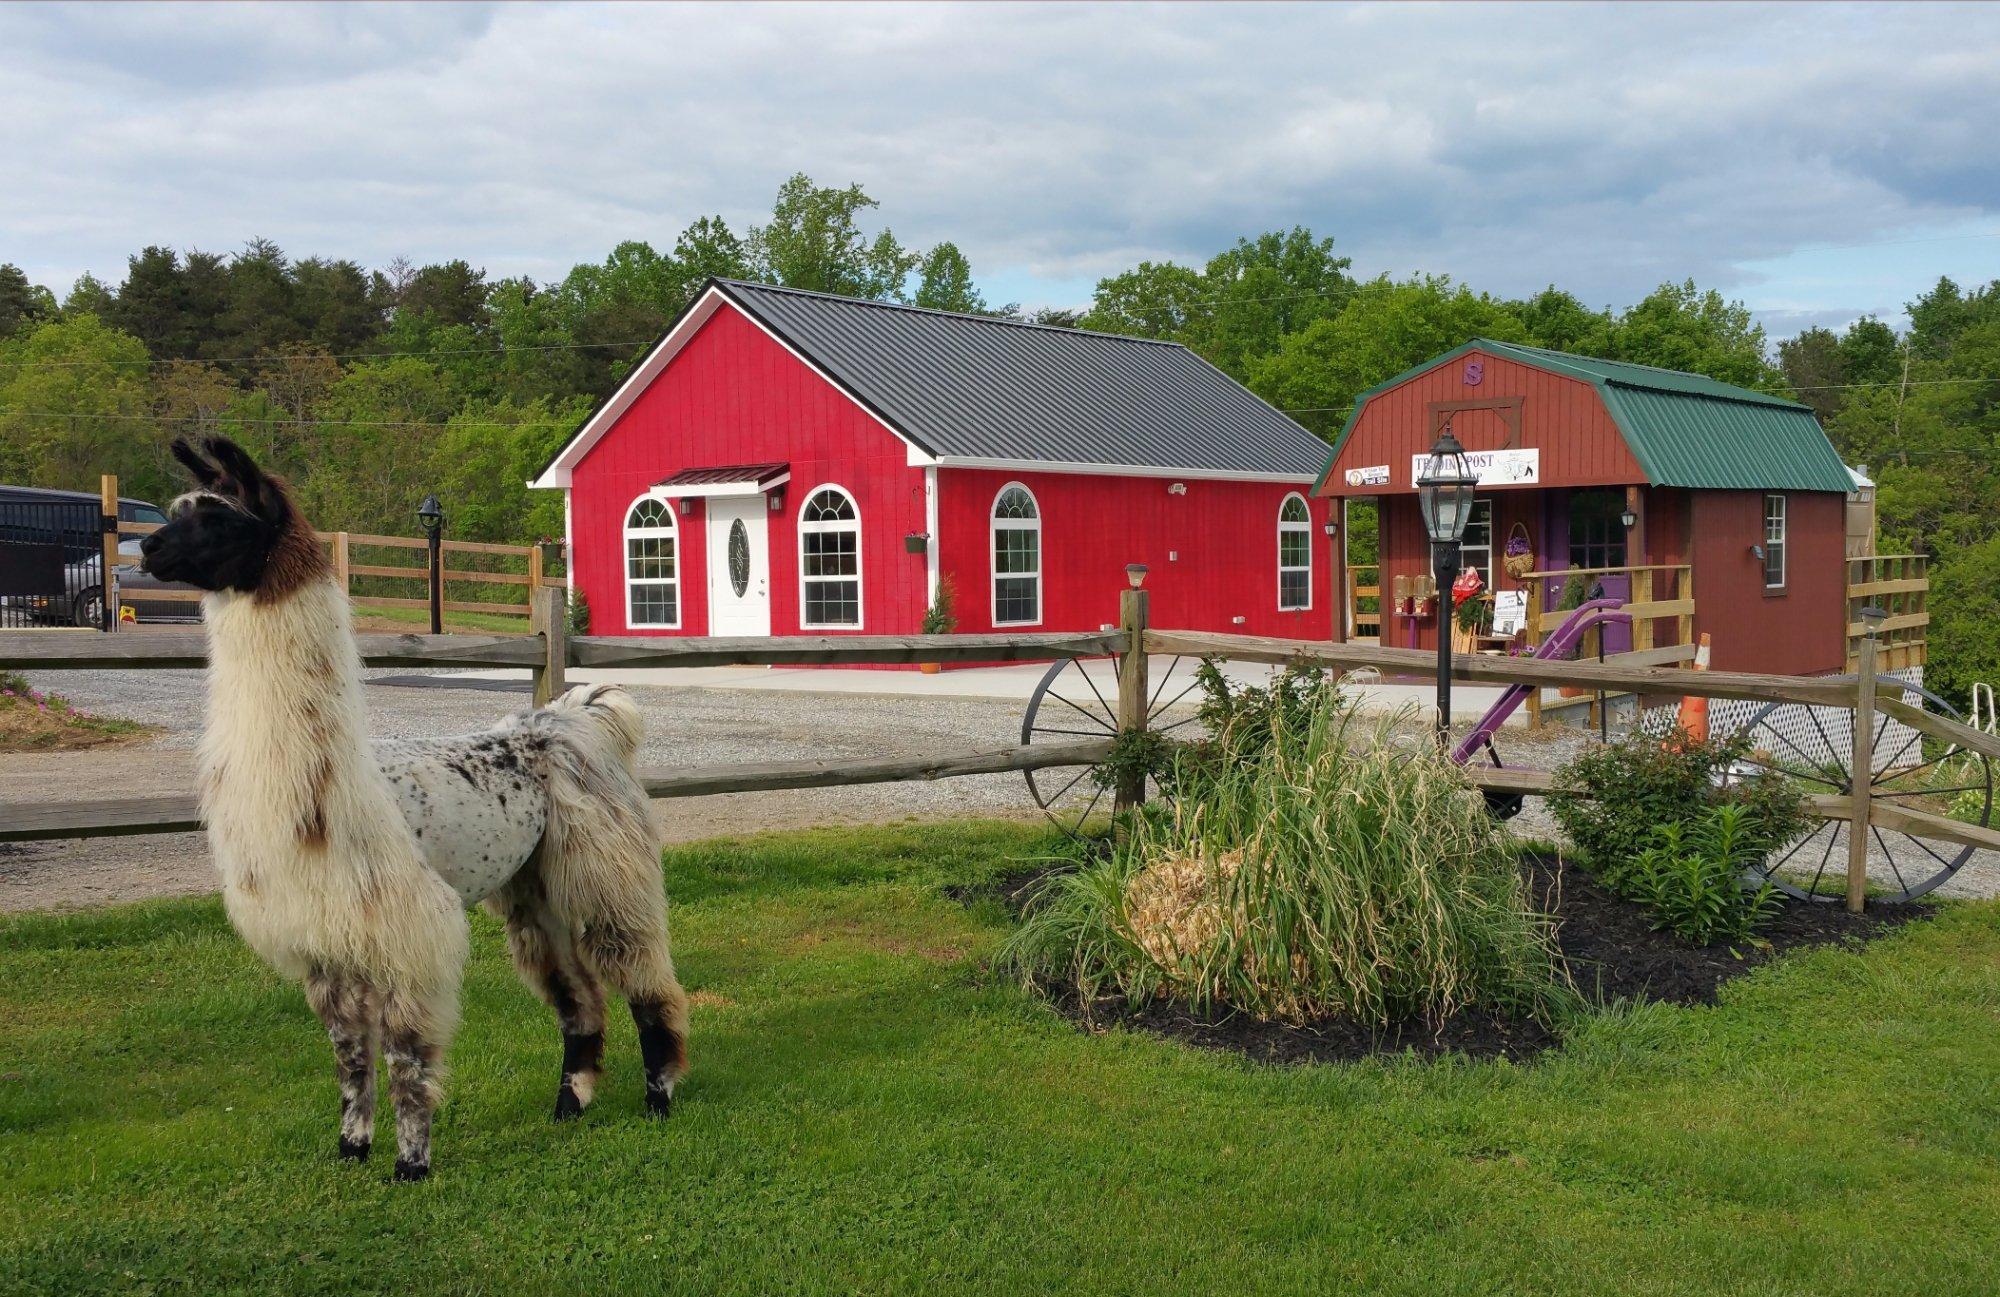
[
  {"x": 868, "y": 1113},
  {"x": 420, "y": 618}
]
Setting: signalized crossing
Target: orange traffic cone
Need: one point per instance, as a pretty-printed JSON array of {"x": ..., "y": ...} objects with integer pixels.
[{"x": 1694, "y": 711}]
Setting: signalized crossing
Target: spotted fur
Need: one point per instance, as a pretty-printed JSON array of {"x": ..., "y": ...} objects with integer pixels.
[{"x": 348, "y": 866}]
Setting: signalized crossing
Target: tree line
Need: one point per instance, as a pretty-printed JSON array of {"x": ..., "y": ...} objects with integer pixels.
[{"x": 369, "y": 387}]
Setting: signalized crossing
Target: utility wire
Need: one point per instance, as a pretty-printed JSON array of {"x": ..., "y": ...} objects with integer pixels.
[{"x": 319, "y": 355}]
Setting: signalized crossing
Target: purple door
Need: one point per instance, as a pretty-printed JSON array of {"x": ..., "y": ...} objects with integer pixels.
[{"x": 1590, "y": 523}]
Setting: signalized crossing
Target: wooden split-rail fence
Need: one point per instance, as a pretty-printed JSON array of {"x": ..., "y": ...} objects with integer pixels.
[{"x": 549, "y": 652}]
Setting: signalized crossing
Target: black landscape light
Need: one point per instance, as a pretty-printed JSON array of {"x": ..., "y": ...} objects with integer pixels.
[
  {"x": 1444, "y": 491},
  {"x": 431, "y": 514}
]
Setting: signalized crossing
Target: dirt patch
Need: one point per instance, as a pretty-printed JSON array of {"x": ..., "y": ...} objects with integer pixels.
[
  {"x": 1612, "y": 950},
  {"x": 33, "y": 721}
]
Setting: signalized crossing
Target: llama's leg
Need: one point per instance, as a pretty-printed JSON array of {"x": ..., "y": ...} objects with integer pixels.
[
  {"x": 414, "y": 1034},
  {"x": 637, "y": 962},
  {"x": 352, "y": 1013},
  {"x": 547, "y": 960}
]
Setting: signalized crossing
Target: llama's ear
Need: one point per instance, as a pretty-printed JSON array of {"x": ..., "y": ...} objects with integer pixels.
[
  {"x": 205, "y": 473},
  {"x": 260, "y": 493}
]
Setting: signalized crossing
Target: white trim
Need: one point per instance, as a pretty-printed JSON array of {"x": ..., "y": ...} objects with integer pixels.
[
  {"x": 802, "y": 527},
  {"x": 709, "y": 490},
  {"x": 994, "y": 524},
  {"x": 1122, "y": 470},
  {"x": 1304, "y": 529},
  {"x": 1781, "y": 542},
  {"x": 627, "y": 534},
  {"x": 931, "y": 532},
  {"x": 558, "y": 472}
]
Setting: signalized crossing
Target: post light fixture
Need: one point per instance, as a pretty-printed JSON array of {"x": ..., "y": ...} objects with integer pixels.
[
  {"x": 1136, "y": 574},
  {"x": 1872, "y": 617},
  {"x": 431, "y": 514},
  {"x": 1444, "y": 492}
]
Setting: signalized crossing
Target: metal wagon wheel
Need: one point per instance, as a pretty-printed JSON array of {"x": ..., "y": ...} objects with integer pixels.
[
  {"x": 1068, "y": 706},
  {"x": 1796, "y": 742}
]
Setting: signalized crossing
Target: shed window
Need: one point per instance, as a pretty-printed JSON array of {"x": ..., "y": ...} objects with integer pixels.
[
  {"x": 1295, "y": 554},
  {"x": 1774, "y": 542},
  {"x": 1476, "y": 549},
  {"x": 652, "y": 566},
  {"x": 1596, "y": 531},
  {"x": 829, "y": 560},
  {"x": 1017, "y": 557}
]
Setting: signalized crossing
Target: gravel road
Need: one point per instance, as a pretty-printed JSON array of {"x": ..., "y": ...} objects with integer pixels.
[{"x": 686, "y": 727}]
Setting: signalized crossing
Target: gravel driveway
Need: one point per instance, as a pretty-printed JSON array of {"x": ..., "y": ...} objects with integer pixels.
[{"x": 686, "y": 727}]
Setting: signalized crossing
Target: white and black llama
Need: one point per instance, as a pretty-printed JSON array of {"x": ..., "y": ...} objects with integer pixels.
[{"x": 349, "y": 867}]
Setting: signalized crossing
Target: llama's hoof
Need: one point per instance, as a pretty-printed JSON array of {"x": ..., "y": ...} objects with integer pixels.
[
  {"x": 568, "y": 1106},
  {"x": 659, "y": 1102},
  {"x": 409, "y": 1172},
  {"x": 354, "y": 1150}
]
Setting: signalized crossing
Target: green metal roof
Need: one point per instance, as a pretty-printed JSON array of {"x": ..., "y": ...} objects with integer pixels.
[{"x": 1684, "y": 429}]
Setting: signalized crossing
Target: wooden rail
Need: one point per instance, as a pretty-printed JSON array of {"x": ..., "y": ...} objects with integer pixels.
[
  {"x": 1422, "y": 663},
  {"x": 180, "y": 813},
  {"x": 1900, "y": 585}
]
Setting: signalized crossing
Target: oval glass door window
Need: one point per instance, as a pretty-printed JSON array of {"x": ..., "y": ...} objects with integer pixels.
[{"x": 739, "y": 558}]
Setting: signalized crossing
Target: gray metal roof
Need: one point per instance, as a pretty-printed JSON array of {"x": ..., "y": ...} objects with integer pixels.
[{"x": 973, "y": 387}]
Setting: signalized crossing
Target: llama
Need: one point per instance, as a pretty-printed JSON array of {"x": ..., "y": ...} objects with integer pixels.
[{"x": 349, "y": 869}]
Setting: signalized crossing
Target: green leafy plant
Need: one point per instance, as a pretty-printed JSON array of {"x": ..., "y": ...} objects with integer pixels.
[
  {"x": 1633, "y": 787},
  {"x": 940, "y": 618},
  {"x": 1691, "y": 878},
  {"x": 579, "y": 613},
  {"x": 1315, "y": 867},
  {"x": 1475, "y": 615},
  {"x": 1576, "y": 592}
]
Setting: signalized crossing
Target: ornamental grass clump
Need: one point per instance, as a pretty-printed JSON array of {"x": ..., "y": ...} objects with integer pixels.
[{"x": 1318, "y": 867}]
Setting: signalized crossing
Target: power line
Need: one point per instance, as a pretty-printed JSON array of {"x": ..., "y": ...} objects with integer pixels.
[{"x": 319, "y": 355}]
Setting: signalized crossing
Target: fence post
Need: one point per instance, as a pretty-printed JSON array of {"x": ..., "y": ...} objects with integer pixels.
[
  {"x": 546, "y": 618},
  {"x": 1862, "y": 772},
  {"x": 1132, "y": 683},
  {"x": 107, "y": 487},
  {"x": 341, "y": 561},
  {"x": 535, "y": 571}
]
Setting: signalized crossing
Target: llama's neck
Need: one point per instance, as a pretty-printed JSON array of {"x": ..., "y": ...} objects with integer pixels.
[{"x": 286, "y": 728}]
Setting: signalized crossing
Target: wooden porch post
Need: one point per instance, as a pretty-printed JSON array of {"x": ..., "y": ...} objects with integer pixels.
[{"x": 1341, "y": 594}]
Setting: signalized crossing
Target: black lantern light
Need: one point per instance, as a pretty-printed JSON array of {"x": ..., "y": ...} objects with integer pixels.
[
  {"x": 431, "y": 514},
  {"x": 1444, "y": 491}
]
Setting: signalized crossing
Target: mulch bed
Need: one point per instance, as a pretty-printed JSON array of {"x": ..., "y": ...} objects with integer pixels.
[{"x": 1611, "y": 947}]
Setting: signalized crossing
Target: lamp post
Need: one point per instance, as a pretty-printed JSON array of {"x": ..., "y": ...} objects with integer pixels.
[
  {"x": 1444, "y": 490},
  {"x": 431, "y": 514}
]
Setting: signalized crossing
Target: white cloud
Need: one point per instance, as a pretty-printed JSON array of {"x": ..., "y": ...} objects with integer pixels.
[{"x": 1604, "y": 149}]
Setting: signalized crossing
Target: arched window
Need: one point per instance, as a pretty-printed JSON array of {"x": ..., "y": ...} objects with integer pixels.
[
  {"x": 1295, "y": 554},
  {"x": 829, "y": 560},
  {"x": 652, "y": 566},
  {"x": 1017, "y": 557}
]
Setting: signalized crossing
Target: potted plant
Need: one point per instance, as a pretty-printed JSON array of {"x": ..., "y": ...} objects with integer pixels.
[
  {"x": 939, "y": 618},
  {"x": 1519, "y": 559}
]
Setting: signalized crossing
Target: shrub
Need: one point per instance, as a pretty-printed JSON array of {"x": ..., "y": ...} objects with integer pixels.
[
  {"x": 1635, "y": 787},
  {"x": 1691, "y": 878},
  {"x": 1307, "y": 872},
  {"x": 579, "y": 613},
  {"x": 941, "y": 618}
]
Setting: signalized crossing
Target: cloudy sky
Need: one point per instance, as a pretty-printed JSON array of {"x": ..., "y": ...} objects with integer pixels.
[{"x": 1817, "y": 162}]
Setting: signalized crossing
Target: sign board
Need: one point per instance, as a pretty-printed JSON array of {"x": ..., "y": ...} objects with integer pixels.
[
  {"x": 1521, "y": 466},
  {"x": 1373, "y": 475},
  {"x": 1510, "y": 612}
]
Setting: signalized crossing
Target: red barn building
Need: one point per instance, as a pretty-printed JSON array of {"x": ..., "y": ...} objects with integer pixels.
[
  {"x": 1607, "y": 465},
  {"x": 785, "y": 462}
]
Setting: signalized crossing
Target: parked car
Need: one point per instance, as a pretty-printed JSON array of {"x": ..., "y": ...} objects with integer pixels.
[{"x": 36, "y": 515}]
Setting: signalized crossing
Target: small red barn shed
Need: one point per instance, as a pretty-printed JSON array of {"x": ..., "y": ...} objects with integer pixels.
[
  {"x": 785, "y": 462},
  {"x": 1691, "y": 486}
]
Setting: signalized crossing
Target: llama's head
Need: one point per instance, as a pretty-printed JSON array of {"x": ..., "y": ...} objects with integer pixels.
[{"x": 237, "y": 530}]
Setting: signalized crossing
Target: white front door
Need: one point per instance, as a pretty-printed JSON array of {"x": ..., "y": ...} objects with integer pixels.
[{"x": 739, "y": 566}]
